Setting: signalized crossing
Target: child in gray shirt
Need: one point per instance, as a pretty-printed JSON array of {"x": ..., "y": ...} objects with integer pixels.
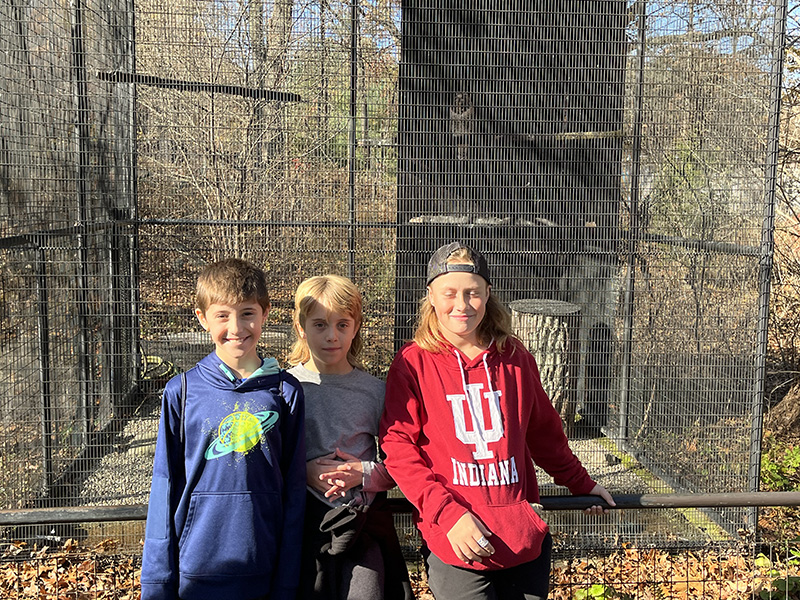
[{"x": 350, "y": 546}]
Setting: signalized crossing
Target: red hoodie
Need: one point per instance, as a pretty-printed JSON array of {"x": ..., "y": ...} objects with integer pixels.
[{"x": 462, "y": 435}]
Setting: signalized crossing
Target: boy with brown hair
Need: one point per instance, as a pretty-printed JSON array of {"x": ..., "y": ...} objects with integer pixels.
[{"x": 228, "y": 493}]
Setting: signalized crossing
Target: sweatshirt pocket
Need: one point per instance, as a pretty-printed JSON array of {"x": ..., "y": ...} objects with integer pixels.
[
  {"x": 517, "y": 533},
  {"x": 156, "y": 526},
  {"x": 232, "y": 534}
]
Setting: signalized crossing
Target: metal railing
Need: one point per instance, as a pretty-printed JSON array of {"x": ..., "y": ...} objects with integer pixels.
[{"x": 138, "y": 512}]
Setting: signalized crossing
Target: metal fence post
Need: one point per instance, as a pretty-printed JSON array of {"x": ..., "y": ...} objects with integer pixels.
[
  {"x": 45, "y": 373},
  {"x": 81, "y": 100},
  {"x": 351, "y": 241},
  {"x": 634, "y": 233},
  {"x": 765, "y": 260}
]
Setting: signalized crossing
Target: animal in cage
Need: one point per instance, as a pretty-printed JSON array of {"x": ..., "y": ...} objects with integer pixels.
[{"x": 462, "y": 122}]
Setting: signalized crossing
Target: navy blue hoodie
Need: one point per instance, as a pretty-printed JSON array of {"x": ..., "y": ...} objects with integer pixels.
[{"x": 226, "y": 504}]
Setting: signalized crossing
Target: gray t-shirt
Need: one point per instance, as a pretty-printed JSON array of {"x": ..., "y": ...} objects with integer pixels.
[{"x": 344, "y": 411}]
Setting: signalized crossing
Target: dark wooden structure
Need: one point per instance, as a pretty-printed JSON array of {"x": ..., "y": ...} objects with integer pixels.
[{"x": 510, "y": 139}]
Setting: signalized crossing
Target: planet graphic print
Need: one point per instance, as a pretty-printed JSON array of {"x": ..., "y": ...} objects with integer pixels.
[{"x": 240, "y": 431}]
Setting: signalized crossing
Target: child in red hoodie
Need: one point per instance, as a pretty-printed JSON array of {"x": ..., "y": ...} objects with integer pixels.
[{"x": 465, "y": 418}]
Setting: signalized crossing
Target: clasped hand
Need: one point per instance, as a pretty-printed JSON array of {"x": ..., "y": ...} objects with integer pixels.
[{"x": 334, "y": 473}]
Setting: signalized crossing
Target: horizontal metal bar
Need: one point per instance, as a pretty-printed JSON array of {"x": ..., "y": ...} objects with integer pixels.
[
  {"x": 40, "y": 238},
  {"x": 73, "y": 514},
  {"x": 197, "y": 86},
  {"x": 138, "y": 512},
  {"x": 675, "y": 500},
  {"x": 266, "y": 223},
  {"x": 31, "y": 238}
]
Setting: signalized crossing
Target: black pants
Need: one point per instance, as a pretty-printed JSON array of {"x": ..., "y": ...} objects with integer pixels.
[
  {"x": 327, "y": 577},
  {"x": 528, "y": 581}
]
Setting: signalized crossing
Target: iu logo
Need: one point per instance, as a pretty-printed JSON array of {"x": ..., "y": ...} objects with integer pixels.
[{"x": 480, "y": 434}]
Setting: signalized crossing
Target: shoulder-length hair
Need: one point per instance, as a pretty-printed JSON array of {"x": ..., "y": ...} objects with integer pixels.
[{"x": 336, "y": 294}]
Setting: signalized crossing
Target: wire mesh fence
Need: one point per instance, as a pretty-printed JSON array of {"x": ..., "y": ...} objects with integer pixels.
[
  {"x": 717, "y": 571},
  {"x": 612, "y": 159}
]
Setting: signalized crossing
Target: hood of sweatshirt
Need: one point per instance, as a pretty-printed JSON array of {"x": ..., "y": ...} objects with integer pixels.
[{"x": 217, "y": 374}]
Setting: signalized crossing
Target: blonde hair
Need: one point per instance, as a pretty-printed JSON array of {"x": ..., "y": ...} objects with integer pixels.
[
  {"x": 231, "y": 281},
  {"x": 336, "y": 294},
  {"x": 496, "y": 323}
]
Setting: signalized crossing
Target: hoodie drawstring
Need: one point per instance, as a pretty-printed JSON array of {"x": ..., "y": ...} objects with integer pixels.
[
  {"x": 488, "y": 378},
  {"x": 463, "y": 375}
]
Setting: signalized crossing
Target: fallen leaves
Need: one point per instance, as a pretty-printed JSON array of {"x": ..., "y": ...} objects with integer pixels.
[
  {"x": 67, "y": 572},
  {"x": 720, "y": 572}
]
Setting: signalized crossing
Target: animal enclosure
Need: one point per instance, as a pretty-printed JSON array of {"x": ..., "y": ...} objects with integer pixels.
[{"x": 616, "y": 158}]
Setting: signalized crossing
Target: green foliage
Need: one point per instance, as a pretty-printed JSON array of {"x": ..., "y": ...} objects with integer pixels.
[
  {"x": 782, "y": 585},
  {"x": 599, "y": 591},
  {"x": 780, "y": 466}
]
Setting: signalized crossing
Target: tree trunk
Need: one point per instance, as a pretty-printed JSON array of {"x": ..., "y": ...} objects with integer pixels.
[{"x": 549, "y": 329}]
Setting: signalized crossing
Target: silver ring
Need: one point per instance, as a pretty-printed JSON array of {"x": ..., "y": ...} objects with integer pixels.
[{"x": 483, "y": 542}]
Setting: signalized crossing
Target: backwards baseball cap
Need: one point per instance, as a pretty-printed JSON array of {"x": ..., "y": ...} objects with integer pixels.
[{"x": 438, "y": 264}]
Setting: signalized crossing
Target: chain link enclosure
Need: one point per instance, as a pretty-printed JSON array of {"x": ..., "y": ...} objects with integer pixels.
[{"x": 617, "y": 156}]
